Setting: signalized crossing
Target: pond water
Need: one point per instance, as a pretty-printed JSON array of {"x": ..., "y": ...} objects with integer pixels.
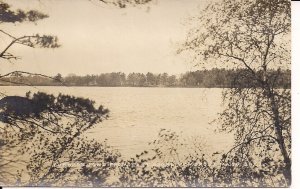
[{"x": 138, "y": 114}]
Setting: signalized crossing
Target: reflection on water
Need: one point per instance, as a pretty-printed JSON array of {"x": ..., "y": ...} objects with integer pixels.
[{"x": 137, "y": 114}]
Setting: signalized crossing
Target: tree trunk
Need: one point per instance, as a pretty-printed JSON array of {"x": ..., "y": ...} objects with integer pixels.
[
  {"x": 280, "y": 139},
  {"x": 278, "y": 127}
]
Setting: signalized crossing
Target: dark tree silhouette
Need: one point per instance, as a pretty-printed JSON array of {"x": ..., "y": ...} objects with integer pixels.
[
  {"x": 17, "y": 105},
  {"x": 7, "y": 15},
  {"x": 252, "y": 34},
  {"x": 44, "y": 122},
  {"x": 51, "y": 130},
  {"x": 213, "y": 78}
]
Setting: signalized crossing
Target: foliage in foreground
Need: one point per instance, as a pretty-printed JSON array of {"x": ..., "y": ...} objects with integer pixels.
[
  {"x": 56, "y": 153},
  {"x": 253, "y": 35},
  {"x": 250, "y": 34}
]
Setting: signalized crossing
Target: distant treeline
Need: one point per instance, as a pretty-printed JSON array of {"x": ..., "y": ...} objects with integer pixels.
[{"x": 214, "y": 78}]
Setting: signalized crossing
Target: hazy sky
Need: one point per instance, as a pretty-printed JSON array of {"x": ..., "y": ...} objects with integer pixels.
[{"x": 98, "y": 38}]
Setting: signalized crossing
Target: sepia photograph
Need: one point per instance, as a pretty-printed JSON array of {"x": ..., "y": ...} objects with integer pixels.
[{"x": 145, "y": 93}]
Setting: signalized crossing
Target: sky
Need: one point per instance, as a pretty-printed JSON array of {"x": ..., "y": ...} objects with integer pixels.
[{"x": 98, "y": 38}]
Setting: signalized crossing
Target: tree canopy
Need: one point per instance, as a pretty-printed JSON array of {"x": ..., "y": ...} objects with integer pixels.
[
  {"x": 253, "y": 35},
  {"x": 214, "y": 78},
  {"x": 8, "y": 15}
]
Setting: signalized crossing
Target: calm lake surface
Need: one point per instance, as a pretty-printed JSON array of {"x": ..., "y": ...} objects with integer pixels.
[{"x": 138, "y": 114}]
